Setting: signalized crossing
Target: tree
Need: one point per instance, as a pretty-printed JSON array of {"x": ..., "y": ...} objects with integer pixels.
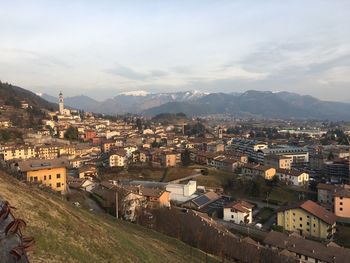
[
  {"x": 185, "y": 158},
  {"x": 71, "y": 133},
  {"x": 330, "y": 156},
  {"x": 139, "y": 124}
]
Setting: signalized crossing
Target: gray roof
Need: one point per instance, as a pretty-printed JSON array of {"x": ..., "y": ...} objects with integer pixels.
[{"x": 39, "y": 164}]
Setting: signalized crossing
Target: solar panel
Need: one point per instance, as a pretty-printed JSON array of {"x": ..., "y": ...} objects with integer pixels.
[{"x": 201, "y": 200}]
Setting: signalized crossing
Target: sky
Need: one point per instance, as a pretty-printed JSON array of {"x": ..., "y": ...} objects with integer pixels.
[{"x": 101, "y": 48}]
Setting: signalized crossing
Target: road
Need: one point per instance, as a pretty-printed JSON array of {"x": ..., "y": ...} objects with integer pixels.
[{"x": 245, "y": 230}]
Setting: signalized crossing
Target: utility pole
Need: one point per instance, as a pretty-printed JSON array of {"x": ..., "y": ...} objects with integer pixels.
[
  {"x": 349, "y": 153},
  {"x": 116, "y": 205}
]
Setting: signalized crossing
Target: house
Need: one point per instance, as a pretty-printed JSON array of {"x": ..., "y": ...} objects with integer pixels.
[
  {"x": 239, "y": 212},
  {"x": 293, "y": 177},
  {"x": 80, "y": 184},
  {"x": 87, "y": 171},
  {"x": 118, "y": 158},
  {"x": 307, "y": 218},
  {"x": 108, "y": 145},
  {"x": 258, "y": 170},
  {"x": 306, "y": 250},
  {"x": 51, "y": 173},
  {"x": 201, "y": 201}
]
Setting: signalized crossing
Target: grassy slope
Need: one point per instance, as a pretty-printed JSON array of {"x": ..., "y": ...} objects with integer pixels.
[{"x": 64, "y": 233}]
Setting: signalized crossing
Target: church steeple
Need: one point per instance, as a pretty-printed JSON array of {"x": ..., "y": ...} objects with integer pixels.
[{"x": 60, "y": 103}]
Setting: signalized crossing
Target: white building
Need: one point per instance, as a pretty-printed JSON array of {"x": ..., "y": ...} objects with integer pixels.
[
  {"x": 293, "y": 177},
  {"x": 239, "y": 212},
  {"x": 182, "y": 192},
  {"x": 118, "y": 158}
]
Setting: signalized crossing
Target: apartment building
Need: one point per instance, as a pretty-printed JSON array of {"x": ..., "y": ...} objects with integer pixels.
[
  {"x": 308, "y": 219},
  {"x": 298, "y": 155},
  {"x": 278, "y": 161},
  {"x": 246, "y": 146},
  {"x": 18, "y": 152}
]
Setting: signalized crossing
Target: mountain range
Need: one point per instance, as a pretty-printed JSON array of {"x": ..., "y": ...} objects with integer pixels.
[{"x": 252, "y": 103}]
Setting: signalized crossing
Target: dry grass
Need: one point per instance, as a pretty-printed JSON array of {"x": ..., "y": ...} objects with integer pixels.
[{"x": 65, "y": 233}]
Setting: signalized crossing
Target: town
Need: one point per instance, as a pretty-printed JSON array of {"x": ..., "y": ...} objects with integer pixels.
[{"x": 279, "y": 187}]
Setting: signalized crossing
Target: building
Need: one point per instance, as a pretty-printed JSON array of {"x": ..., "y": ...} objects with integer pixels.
[
  {"x": 170, "y": 159},
  {"x": 60, "y": 104},
  {"x": 299, "y": 155},
  {"x": 118, "y": 158},
  {"x": 342, "y": 203},
  {"x": 327, "y": 192},
  {"x": 239, "y": 212},
  {"x": 258, "y": 170},
  {"x": 18, "y": 152},
  {"x": 293, "y": 177},
  {"x": 308, "y": 219},
  {"x": 306, "y": 250},
  {"x": 245, "y": 146},
  {"x": 51, "y": 173},
  {"x": 337, "y": 168},
  {"x": 278, "y": 161}
]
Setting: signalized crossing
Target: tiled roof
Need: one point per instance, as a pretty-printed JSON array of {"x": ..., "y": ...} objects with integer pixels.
[{"x": 309, "y": 248}]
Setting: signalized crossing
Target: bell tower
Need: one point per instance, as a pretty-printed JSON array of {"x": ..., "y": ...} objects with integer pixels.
[{"x": 60, "y": 103}]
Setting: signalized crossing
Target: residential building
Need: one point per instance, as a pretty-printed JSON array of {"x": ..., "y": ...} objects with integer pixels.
[
  {"x": 51, "y": 173},
  {"x": 239, "y": 212},
  {"x": 294, "y": 177},
  {"x": 342, "y": 203},
  {"x": 307, "y": 218},
  {"x": 246, "y": 146},
  {"x": 299, "y": 155},
  {"x": 278, "y": 161},
  {"x": 258, "y": 170},
  {"x": 18, "y": 152},
  {"x": 306, "y": 250},
  {"x": 118, "y": 158}
]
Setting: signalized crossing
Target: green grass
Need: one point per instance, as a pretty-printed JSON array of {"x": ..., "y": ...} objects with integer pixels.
[
  {"x": 215, "y": 178},
  {"x": 175, "y": 173},
  {"x": 65, "y": 233}
]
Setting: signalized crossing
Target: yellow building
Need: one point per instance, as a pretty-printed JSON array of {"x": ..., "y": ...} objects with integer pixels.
[
  {"x": 18, "y": 152},
  {"x": 308, "y": 219},
  {"x": 52, "y": 173}
]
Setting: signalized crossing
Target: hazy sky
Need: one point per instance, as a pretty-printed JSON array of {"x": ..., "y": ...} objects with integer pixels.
[{"x": 101, "y": 48}]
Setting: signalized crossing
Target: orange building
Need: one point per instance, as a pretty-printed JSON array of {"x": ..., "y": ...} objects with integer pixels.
[{"x": 342, "y": 203}]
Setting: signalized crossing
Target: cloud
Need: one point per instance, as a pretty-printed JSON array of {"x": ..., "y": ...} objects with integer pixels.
[{"x": 129, "y": 73}]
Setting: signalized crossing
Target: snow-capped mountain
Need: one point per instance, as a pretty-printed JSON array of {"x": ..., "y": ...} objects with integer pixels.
[{"x": 130, "y": 101}]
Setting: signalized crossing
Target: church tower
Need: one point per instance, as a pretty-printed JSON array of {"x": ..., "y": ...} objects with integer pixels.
[{"x": 60, "y": 103}]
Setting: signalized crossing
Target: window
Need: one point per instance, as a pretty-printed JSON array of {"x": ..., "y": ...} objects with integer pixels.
[
  {"x": 58, "y": 176},
  {"x": 341, "y": 198},
  {"x": 341, "y": 203},
  {"x": 341, "y": 209},
  {"x": 308, "y": 223},
  {"x": 301, "y": 225},
  {"x": 314, "y": 225},
  {"x": 58, "y": 185},
  {"x": 293, "y": 214},
  {"x": 50, "y": 177},
  {"x": 44, "y": 177},
  {"x": 301, "y": 219}
]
